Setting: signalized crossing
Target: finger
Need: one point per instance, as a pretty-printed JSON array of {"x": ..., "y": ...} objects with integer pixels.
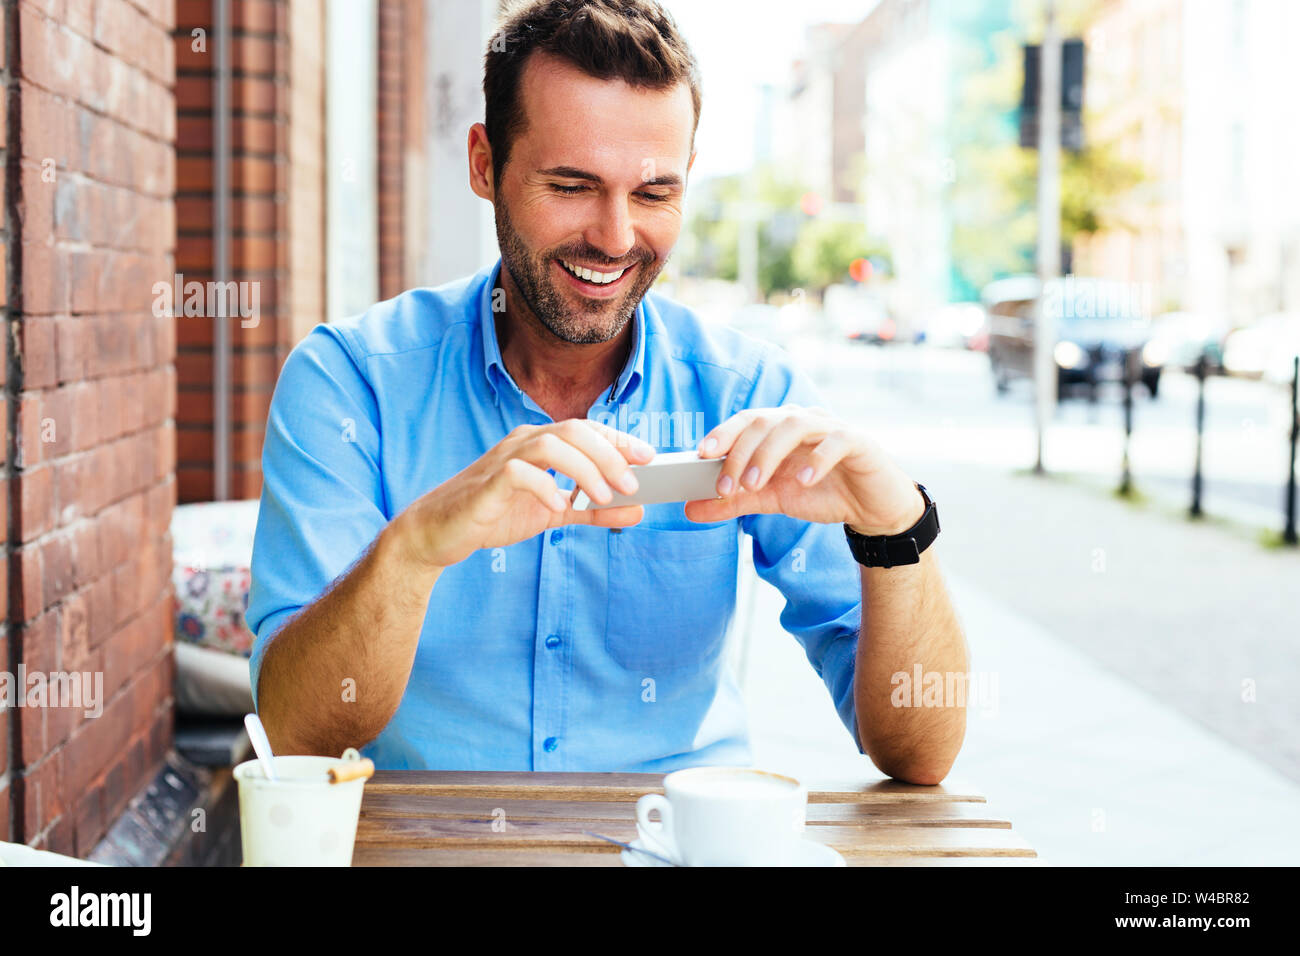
[
  {"x": 719, "y": 440},
  {"x": 519, "y": 475},
  {"x": 620, "y": 517},
  {"x": 722, "y": 509},
  {"x": 629, "y": 446},
  {"x": 610, "y": 449},
  {"x": 825, "y": 455},
  {"x": 779, "y": 444},
  {"x": 735, "y": 468},
  {"x": 547, "y": 449}
]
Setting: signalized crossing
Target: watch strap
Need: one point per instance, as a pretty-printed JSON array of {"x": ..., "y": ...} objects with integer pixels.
[{"x": 892, "y": 550}]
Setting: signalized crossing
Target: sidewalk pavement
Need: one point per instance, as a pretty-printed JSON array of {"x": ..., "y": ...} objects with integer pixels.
[{"x": 1114, "y": 670}]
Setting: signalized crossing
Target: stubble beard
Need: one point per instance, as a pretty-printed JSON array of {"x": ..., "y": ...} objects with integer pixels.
[{"x": 595, "y": 320}]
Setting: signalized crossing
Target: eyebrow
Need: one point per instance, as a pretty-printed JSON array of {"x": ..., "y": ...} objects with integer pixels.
[{"x": 573, "y": 172}]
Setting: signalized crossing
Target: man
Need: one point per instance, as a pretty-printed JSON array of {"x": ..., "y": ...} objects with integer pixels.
[{"x": 421, "y": 582}]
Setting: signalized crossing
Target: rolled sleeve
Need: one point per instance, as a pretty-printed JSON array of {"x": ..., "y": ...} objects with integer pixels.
[
  {"x": 322, "y": 501},
  {"x": 809, "y": 563}
]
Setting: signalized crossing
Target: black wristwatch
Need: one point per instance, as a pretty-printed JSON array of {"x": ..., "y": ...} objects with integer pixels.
[{"x": 891, "y": 550}]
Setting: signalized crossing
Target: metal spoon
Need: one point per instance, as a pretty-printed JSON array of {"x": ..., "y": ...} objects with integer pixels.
[
  {"x": 261, "y": 745},
  {"x": 634, "y": 849}
]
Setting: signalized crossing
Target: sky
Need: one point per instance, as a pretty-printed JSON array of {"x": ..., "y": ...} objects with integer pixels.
[{"x": 741, "y": 44}]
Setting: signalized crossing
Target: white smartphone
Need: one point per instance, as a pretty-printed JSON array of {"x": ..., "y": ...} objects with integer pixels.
[{"x": 670, "y": 476}]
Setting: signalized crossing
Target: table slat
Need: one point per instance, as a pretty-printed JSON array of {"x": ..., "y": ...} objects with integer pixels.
[
  {"x": 913, "y": 813},
  {"x": 427, "y": 856},
  {"x": 598, "y": 787},
  {"x": 535, "y": 834}
]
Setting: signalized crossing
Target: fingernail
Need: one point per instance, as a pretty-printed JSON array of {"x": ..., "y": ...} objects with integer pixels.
[
  {"x": 805, "y": 476},
  {"x": 709, "y": 445},
  {"x": 724, "y": 484},
  {"x": 603, "y": 492},
  {"x": 627, "y": 483},
  {"x": 561, "y": 502},
  {"x": 750, "y": 477}
]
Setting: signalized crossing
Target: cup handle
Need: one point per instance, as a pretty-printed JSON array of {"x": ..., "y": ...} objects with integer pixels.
[{"x": 657, "y": 837}]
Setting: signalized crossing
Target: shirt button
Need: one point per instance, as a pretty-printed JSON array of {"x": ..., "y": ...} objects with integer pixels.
[
  {"x": 557, "y": 537},
  {"x": 553, "y": 641},
  {"x": 549, "y": 744}
]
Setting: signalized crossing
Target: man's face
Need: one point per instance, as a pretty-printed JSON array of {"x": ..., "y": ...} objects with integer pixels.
[{"x": 595, "y": 181}]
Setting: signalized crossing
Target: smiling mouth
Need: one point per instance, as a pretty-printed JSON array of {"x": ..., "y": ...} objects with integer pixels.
[{"x": 591, "y": 275}]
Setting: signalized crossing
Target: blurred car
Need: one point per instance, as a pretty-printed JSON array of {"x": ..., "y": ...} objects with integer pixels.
[
  {"x": 1179, "y": 339},
  {"x": 1098, "y": 322},
  {"x": 858, "y": 314},
  {"x": 952, "y": 326},
  {"x": 1264, "y": 349}
]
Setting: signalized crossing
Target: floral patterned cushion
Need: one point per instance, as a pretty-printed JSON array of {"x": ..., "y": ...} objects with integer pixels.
[{"x": 212, "y": 544}]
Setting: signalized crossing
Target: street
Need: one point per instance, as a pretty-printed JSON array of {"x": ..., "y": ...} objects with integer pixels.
[
  {"x": 1141, "y": 659},
  {"x": 918, "y": 399}
]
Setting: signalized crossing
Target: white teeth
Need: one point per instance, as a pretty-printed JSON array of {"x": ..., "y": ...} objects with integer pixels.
[{"x": 599, "y": 278}]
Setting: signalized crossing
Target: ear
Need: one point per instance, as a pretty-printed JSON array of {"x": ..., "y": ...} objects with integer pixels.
[
  {"x": 691, "y": 161},
  {"x": 480, "y": 163}
]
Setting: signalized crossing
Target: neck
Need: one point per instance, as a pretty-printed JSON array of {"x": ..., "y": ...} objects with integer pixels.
[{"x": 564, "y": 378}]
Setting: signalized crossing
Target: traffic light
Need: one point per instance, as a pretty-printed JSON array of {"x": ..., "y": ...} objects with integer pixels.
[{"x": 1072, "y": 57}]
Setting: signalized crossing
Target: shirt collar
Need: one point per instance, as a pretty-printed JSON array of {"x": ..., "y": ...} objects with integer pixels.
[{"x": 627, "y": 381}]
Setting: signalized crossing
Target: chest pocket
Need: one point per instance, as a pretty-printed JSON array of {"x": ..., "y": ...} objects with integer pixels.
[{"x": 671, "y": 596}]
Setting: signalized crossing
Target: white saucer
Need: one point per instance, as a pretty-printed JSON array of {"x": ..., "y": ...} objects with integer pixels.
[{"x": 810, "y": 854}]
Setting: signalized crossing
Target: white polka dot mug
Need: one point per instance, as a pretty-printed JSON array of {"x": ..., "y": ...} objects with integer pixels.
[{"x": 301, "y": 819}]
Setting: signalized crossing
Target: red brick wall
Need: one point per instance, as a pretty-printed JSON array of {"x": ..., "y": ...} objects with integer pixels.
[
  {"x": 8, "y": 662},
  {"x": 391, "y": 122},
  {"x": 89, "y": 399},
  {"x": 278, "y": 203},
  {"x": 259, "y": 219},
  {"x": 401, "y": 114}
]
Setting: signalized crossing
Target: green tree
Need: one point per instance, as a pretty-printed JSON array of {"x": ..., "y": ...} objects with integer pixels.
[
  {"x": 826, "y": 248},
  {"x": 994, "y": 197},
  {"x": 795, "y": 250}
]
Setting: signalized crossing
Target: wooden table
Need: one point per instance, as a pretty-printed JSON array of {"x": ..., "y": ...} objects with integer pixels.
[{"x": 450, "y": 818}]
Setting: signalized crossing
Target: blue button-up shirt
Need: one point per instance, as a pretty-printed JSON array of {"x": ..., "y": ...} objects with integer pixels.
[{"x": 581, "y": 648}]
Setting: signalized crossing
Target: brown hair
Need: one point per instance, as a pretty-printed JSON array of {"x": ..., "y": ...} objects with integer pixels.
[{"x": 631, "y": 40}]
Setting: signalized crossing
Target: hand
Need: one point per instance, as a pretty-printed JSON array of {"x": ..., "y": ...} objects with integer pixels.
[
  {"x": 803, "y": 463},
  {"x": 507, "y": 496}
]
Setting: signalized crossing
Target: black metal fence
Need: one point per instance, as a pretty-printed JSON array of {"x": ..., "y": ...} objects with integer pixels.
[{"x": 1132, "y": 366}]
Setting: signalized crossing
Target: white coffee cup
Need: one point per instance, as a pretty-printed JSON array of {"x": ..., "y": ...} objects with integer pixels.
[
  {"x": 300, "y": 819},
  {"x": 725, "y": 816}
]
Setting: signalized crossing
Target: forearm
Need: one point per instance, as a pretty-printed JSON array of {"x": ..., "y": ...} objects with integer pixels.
[
  {"x": 334, "y": 676},
  {"x": 908, "y": 620}
]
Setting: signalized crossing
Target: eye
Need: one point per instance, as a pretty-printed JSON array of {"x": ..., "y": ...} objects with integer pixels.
[
  {"x": 568, "y": 190},
  {"x": 654, "y": 197}
]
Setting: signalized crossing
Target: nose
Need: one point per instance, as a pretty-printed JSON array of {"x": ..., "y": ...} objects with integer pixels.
[{"x": 614, "y": 233}]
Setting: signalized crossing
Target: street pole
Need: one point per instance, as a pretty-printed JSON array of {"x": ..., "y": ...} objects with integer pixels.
[
  {"x": 1197, "y": 481},
  {"x": 1049, "y": 222},
  {"x": 1289, "y": 532},
  {"x": 1126, "y": 478}
]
